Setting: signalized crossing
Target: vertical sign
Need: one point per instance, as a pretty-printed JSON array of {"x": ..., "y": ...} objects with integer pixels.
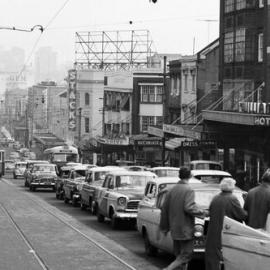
[
  {"x": 72, "y": 100},
  {"x": 44, "y": 101}
]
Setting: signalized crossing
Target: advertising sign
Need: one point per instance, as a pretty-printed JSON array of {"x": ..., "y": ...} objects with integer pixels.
[
  {"x": 198, "y": 144},
  {"x": 182, "y": 131},
  {"x": 262, "y": 121},
  {"x": 148, "y": 142},
  {"x": 72, "y": 100}
]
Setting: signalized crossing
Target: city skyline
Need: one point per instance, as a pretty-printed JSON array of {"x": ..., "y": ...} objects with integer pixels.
[{"x": 175, "y": 26}]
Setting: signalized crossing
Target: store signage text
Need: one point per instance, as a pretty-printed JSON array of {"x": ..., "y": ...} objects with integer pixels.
[
  {"x": 198, "y": 144},
  {"x": 262, "y": 121},
  {"x": 148, "y": 142},
  {"x": 180, "y": 131},
  {"x": 113, "y": 141},
  {"x": 72, "y": 100}
]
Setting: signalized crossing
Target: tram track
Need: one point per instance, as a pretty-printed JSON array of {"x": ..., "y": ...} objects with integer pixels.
[{"x": 34, "y": 251}]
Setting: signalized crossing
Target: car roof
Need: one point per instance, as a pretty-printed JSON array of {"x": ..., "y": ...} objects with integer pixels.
[
  {"x": 172, "y": 180},
  {"x": 106, "y": 168},
  {"x": 80, "y": 167},
  {"x": 205, "y": 161},
  {"x": 21, "y": 162},
  {"x": 165, "y": 168},
  {"x": 210, "y": 172},
  {"x": 138, "y": 173},
  {"x": 47, "y": 164}
]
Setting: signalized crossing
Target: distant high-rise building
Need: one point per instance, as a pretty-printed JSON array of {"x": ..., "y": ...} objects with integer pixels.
[{"x": 45, "y": 66}]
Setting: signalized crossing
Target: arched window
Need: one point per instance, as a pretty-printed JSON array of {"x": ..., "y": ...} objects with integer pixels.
[{"x": 86, "y": 98}]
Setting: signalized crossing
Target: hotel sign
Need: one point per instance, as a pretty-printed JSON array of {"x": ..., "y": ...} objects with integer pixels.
[
  {"x": 262, "y": 121},
  {"x": 182, "y": 131},
  {"x": 72, "y": 100}
]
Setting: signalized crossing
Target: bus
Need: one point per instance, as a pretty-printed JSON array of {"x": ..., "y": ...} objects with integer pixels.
[{"x": 61, "y": 155}]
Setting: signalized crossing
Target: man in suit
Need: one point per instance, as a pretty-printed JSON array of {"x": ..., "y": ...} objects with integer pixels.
[
  {"x": 223, "y": 204},
  {"x": 177, "y": 216},
  {"x": 257, "y": 203}
]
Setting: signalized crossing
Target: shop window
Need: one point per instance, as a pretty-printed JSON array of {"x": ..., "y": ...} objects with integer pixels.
[
  {"x": 260, "y": 47},
  {"x": 86, "y": 125},
  {"x": 87, "y": 99}
]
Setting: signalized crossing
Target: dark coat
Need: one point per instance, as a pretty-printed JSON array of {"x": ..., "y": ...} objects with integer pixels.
[
  {"x": 225, "y": 203},
  {"x": 257, "y": 205},
  {"x": 178, "y": 211}
]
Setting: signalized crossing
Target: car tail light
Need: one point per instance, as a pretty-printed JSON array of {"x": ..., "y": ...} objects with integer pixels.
[{"x": 198, "y": 230}]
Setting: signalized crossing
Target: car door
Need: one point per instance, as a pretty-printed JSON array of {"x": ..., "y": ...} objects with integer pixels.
[
  {"x": 241, "y": 243},
  {"x": 104, "y": 193},
  {"x": 162, "y": 240},
  {"x": 86, "y": 187}
]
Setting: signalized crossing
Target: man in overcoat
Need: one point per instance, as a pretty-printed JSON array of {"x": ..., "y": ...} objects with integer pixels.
[
  {"x": 223, "y": 204},
  {"x": 257, "y": 203},
  {"x": 177, "y": 216}
]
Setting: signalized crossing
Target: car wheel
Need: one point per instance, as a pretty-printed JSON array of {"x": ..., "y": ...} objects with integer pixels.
[
  {"x": 150, "y": 250},
  {"x": 115, "y": 222},
  {"x": 100, "y": 217},
  {"x": 66, "y": 200},
  {"x": 14, "y": 176},
  {"x": 83, "y": 206}
]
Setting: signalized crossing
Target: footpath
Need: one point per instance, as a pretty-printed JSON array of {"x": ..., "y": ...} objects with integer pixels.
[{"x": 35, "y": 235}]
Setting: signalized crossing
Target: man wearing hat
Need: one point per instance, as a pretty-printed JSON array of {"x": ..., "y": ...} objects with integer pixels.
[{"x": 223, "y": 204}]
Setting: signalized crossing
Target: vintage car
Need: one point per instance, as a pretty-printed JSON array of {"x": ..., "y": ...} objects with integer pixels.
[
  {"x": 73, "y": 184},
  {"x": 136, "y": 168},
  {"x": 210, "y": 176},
  {"x": 165, "y": 171},
  {"x": 59, "y": 183},
  {"x": 204, "y": 165},
  {"x": 93, "y": 179},
  {"x": 42, "y": 176},
  {"x": 245, "y": 248},
  {"x": 150, "y": 210},
  {"x": 19, "y": 169},
  {"x": 29, "y": 166},
  {"x": 119, "y": 196},
  {"x": 9, "y": 165}
]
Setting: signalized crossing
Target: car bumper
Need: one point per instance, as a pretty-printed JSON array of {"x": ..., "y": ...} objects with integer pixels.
[
  {"x": 126, "y": 215},
  {"x": 43, "y": 185}
]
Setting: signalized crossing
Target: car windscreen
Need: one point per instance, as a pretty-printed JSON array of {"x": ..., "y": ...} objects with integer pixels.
[
  {"x": 43, "y": 168},
  {"x": 79, "y": 173},
  {"x": 132, "y": 180},
  {"x": 100, "y": 175},
  {"x": 167, "y": 173},
  {"x": 208, "y": 166},
  {"x": 20, "y": 165},
  {"x": 210, "y": 179}
]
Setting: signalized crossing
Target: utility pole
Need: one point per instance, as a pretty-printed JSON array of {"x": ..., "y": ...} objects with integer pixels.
[
  {"x": 26, "y": 129},
  {"x": 80, "y": 124},
  {"x": 164, "y": 108}
]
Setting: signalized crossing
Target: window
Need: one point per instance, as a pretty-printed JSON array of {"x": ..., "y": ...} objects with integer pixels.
[
  {"x": 151, "y": 93},
  {"x": 159, "y": 121},
  {"x": 193, "y": 75},
  {"x": 228, "y": 47},
  {"x": 86, "y": 99},
  {"x": 147, "y": 121},
  {"x": 261, "y": 3},
  {"x": 240, "y": 45},
  {"x": 240, "y": 4},
  {"x": 185, "y": 82},
  {"x": 125, "y": 128},
  {"x": 260, "y": 47},
  {"x": 86, "y": 124},
  {"x": 228, "y": 6}
]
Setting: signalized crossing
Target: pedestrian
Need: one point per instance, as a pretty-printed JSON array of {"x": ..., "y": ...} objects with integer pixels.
[
  {"x": 257, "y": 203},
  {"x": 223, "y": 204},
  {"x": 178, "y": 216}
]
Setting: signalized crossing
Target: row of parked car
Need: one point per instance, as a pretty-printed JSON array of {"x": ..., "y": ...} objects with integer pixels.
[{"x": 133, "y": 194}]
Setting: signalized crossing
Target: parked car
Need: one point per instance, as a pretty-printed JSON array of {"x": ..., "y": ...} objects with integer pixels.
[
  {"x": 119, "y": 196},
  {"x": 204, "y": 165},
  {"x": 73, "y": 184},
  {"x": 42, "y": 176},
  {"x": 59, "y": 183},
  {"x": 210, "y": 176},
  {"x": 9, "y": 165},
  {"x": 93, "y": 179},
  {"x": 19, "y": 169},
  {"x": 243, "y": 247},
  {"x": 29, "y": 166},
  {"x": 165, "y": 171},
  {"x": 149, "y": 212}
]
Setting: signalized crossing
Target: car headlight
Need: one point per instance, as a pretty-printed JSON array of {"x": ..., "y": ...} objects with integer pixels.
[
  {"x": 122, "y": 201},
  {"x": 198, "y": 230}
]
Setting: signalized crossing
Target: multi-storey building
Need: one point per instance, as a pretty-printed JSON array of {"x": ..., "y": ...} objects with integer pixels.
[{"x": 240, "y": 122}]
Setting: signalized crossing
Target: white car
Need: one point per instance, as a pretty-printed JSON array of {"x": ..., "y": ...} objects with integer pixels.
[
  {"x": 149, "y": 212},
  {"x": 93, "y": 179},
  {"x": 210, "y": 176},
  {"x": 19, "y": 169},
  {"x": 165, "y": 171},
  {"x": 119, "y": 196},
  {"x": 245, "y": 248},
  {"x": 204, "y": 165}
]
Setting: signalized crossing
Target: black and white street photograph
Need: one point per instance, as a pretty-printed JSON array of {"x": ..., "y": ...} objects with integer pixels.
[{"x": 135, "y": 135}]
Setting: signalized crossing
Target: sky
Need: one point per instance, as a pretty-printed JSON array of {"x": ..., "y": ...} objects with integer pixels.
[{"x": 173, "y": 24}]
